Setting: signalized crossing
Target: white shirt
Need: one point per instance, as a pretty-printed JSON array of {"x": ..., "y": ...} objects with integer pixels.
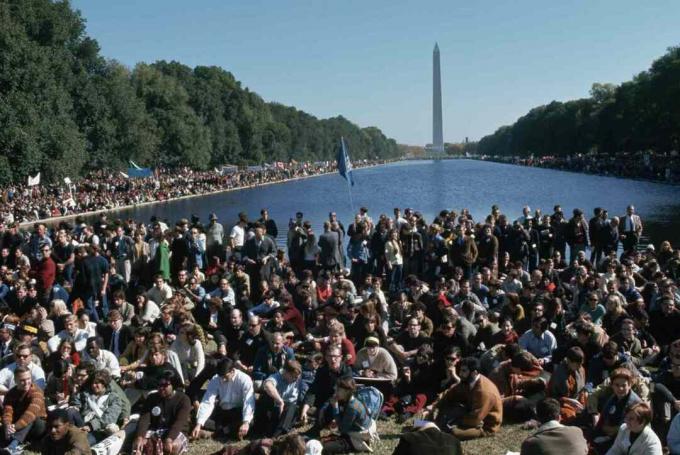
[
  {"x": 105, "y": 361},
  {"x": 231, "y": 394},
  {"x": 238, "y": 234},
  {"x": 7, "y": 376},
  {"x": 80, "y": 340}
]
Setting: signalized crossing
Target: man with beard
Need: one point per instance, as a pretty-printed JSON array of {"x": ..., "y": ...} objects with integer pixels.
[{"x": 473, "y": 408}]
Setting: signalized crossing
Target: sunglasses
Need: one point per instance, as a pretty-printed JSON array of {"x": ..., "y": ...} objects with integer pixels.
[{"x": 163, "y": 384}]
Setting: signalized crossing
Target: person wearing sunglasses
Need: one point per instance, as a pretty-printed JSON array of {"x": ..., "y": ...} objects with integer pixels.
[
  {"x": 165, "y": 417},
  {"x": 23, "y": 357}
]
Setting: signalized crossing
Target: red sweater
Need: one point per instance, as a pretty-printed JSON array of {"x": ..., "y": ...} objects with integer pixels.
[{"x": 45, "y": 273}]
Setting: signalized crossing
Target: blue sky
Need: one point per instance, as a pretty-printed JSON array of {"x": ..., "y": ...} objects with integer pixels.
[{"x": 371, "y": 60}]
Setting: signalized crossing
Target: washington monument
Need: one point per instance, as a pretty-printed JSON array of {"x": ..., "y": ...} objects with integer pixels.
[{"x": 437, "y": 133}]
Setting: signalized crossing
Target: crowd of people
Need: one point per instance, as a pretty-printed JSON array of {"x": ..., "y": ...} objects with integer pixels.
[
  {"x": 661, "y": 167},
  {"x": 121, "y": 335},
  {"x": 106, "y": 190}
]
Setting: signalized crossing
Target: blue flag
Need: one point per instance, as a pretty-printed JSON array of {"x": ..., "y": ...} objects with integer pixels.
[{"x": 344, "y": 165}]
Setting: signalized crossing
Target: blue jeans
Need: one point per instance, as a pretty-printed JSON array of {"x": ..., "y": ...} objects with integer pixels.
[{"x": 396, "y": 275}]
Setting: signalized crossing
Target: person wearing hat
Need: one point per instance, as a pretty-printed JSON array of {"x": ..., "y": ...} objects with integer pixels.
[
  {"x": 375, "y": 362},
  {"x": 214, "y": 238}
]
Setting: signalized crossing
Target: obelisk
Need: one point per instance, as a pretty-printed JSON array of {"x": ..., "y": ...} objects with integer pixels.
[{"x": 437, "y": 132}]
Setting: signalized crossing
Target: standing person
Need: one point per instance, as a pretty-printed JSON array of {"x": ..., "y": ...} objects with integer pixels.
[
  {"x": 36, "y": 242},
  {"x": 487, "y": 249},
  {"x": 258, "y": 254},
  {"x": 297, "y": 236},
  {"x": 90, "y": 281},
  {"x": 463, "y": 252},
  {"x": 269, "y": 224},
  {"x": 180, "y": 248},
  {"x": 546, "y": 238},
  {"x": 63, "y": 438},
  {"x": 45, "y": 273},
  {"x": 394, "y": 260},
  {"x": 357, "y": 249},
  {"x": 121, "y": 247},
  {"x": 577, "y": 235},
  {"x": 412, "y": 248},
  {"x": 23, "y": 414},
  {"x": 330, "y": 256},
  {"x": 596, "y": 226},
  {"x": 165, "y": 418},
  {"x": 64, "y": 256},
  {"x": 630, "y": 229},
  {"x": 214, "y": 238},
  {"x": 140, "y": 259},
  {"x": 559, "y": 225},
  {"x": 232, "y": 391},
  {"x": 610, "y": 237},
  {"x": 553, "y": 438}
]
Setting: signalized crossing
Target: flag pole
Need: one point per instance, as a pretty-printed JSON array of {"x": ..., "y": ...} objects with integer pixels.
[
  {"x": 351, "y": 200},
  {"x": 348, "y": 170}
]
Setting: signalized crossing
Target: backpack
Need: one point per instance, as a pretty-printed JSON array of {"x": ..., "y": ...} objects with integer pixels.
[{"x": 372, "y": 399}]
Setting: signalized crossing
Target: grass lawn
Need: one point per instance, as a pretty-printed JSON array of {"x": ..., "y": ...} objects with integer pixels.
[{"x": 509, "y": 438}]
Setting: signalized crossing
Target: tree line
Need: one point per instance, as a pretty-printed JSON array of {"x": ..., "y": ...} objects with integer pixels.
[
  {"x": 65, "y": 109},
  {"x": 640, "y": 114}
]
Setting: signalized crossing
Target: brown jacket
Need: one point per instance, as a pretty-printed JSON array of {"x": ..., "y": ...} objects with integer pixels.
[
  {"x": 552, "y": 439},
  {"x": 462, "y": 254},
  {"x": 483, "y": 403}
]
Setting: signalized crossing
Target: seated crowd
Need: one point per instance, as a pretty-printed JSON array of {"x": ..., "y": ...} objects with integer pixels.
[{"x": 149, "y": 337}]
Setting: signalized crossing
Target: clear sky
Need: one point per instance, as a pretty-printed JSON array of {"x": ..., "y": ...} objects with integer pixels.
[{"x": 371, "y": 60}]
